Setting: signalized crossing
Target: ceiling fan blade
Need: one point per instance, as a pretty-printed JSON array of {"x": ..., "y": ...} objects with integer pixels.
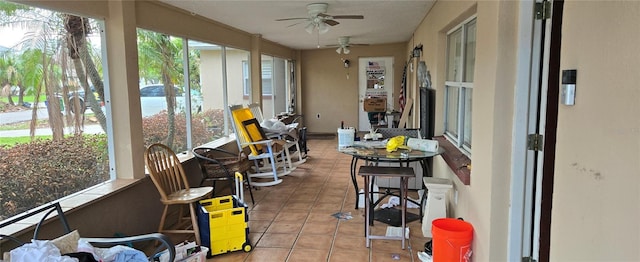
[
  {"x": 347, "y": 17},
  {"x": 293, "y": 18},
  {"x": 331, "y": 22},
  {"x": 296, "y": 24}
]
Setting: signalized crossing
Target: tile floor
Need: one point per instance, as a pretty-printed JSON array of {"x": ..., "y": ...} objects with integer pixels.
[{"x": 293, "y": 221}]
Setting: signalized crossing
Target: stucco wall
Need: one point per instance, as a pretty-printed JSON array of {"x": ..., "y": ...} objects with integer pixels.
[
  {"x": 329, "y": 93},
  {"x": 484, "y": 203},
  {"x": 596, "y": 200}
]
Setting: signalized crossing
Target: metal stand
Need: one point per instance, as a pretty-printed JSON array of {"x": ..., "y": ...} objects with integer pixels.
[{"x": 404, "y": 173}]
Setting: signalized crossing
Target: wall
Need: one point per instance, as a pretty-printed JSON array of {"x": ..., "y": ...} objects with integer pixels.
[
  {"x": 326, "y": 90},
  {"x": 115, "y": 213},
  {"x": 596, "y": 199},
  {"x": 211, "y": 66},
  {"x": 484, "y": 203}
]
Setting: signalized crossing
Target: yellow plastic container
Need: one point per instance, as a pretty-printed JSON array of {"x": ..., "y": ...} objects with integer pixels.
[{"x": 223, "y": 225}]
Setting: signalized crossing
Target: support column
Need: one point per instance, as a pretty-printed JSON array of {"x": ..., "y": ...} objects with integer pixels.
[
  {"x": 124, "y": 93},
  {"x": 256, "y": 69}
]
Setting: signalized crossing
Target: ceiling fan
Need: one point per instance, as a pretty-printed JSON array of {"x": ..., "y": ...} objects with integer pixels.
[
  {"x": 318, "y": 19},
  {"x": 343, "y": 45}
]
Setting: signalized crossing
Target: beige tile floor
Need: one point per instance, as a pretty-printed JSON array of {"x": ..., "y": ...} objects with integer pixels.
[{"x": 293, "y": 221}]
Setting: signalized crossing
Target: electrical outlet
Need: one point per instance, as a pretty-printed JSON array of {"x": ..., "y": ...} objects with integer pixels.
[{"x": 318, "y": 116}]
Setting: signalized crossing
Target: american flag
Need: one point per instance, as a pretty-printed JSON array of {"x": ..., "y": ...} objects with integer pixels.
[{"x": 403, "y": 86}]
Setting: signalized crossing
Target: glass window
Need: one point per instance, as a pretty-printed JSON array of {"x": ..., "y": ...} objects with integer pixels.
[
  {"x": 469, "y": 51},
  {"x": 204, "y": 80},
  {"x": 63, "y": 83},
  {"x": 451, "y": 125},
  {"x": 461, "y": 45},
  {"x": 453, "y": 55},
  {"x": 162, "y": 91},
  {"x": 238, "y": 80},
  {"x": 267, "y": 72}
]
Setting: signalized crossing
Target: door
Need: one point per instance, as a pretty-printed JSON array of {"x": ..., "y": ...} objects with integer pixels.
[
  {"x": 533, "y": 168},
  {"x": 527, "y": 168},
  {"x": 375, "y": 76}
]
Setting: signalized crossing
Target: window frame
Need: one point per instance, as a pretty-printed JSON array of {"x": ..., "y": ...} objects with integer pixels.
[
  {"x": 463, "y": 87},
  {"x": 246, "y": 75}
]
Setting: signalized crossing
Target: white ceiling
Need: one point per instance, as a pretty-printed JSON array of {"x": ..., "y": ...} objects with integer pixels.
[{"x": 384, "y": 21}]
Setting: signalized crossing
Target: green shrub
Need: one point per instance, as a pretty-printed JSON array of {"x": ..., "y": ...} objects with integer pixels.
[
  {"x": 41, "y": 171},
  {"x": 205, "y": 127}
]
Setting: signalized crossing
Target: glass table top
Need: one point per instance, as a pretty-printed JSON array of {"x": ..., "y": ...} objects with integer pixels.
[{"x": 377, "y": 150}]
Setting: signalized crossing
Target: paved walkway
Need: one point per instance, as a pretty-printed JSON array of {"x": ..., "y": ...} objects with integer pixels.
[{"x": 89, "y": 129}]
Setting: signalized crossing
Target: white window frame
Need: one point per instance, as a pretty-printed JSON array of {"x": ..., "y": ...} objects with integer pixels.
[
  {"x": 464, "y": 89},
  {"x": 267, "y": 70}
]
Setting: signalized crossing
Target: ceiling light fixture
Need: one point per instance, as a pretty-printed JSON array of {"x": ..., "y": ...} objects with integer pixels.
[
  {"x": 309, "y": 28},
  {"x": 343, "y": 49},
  {"x": 322, "y": 27}
]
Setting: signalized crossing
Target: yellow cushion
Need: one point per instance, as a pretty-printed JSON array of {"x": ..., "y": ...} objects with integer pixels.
[{"x": 239, "y": 116}]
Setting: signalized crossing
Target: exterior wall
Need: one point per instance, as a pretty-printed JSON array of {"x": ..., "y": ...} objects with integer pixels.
[
  {"x": 485, "y": 202},
  {"x": 211, "y": 77},
  {"x": 596, "y": 199},
  {"x": 326, "y": 90},
  {"x": 211, "y": 67}
]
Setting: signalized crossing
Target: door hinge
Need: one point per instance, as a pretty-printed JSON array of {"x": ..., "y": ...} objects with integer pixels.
[
  {"x": 543, "y": 10},
  {"x": 528, "y": 259},
  {"x": 534, "y": 142}
]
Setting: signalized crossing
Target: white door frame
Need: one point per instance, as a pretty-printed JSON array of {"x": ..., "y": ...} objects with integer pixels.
[
  {"x": 363, "y": 118},
  {"x": 526, "y": 168}
]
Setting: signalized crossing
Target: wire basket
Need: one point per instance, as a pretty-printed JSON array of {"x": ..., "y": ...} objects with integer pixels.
[{"x": 213, "y": 161}]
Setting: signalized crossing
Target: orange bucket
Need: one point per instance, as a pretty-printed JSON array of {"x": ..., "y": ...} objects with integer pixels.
[{"x": 451, "y": 240}]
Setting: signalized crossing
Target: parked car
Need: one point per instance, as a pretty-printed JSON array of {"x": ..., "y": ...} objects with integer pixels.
[
  {"x": 77, "y": 98},
  {"x": 81, "y": 97},
  {"x": 153, "y": 101}
]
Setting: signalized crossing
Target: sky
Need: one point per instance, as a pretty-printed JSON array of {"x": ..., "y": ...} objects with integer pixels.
[{"x": 10, "y": 36}]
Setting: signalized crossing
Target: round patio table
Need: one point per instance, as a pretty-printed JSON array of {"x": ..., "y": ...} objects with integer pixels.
[{"x": 374, "y": 152}]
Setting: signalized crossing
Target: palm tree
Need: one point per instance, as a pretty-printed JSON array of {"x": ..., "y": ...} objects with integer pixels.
[
  {"x": 44, "y": 28},
  {"x": 160, "y": 55},
  {"x": 8, "y": 76},
  {"x": 77, "y": 29}
]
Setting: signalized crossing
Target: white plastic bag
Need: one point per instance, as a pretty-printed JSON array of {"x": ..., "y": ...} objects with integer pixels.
[
  {"x": 187, "y": 252},
  {"x": 39, "y": 250}
]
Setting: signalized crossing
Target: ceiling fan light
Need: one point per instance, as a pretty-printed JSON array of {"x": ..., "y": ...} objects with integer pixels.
[
  {"x": 323, "y": 28},
  {"x": 309, "y": 28},
  {"x": 346, "y": 50},
  {"x": 338, "y": 50}
]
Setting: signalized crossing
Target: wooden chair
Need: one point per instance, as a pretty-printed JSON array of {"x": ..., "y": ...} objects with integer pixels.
[
  {"x": 169, "y": 177},
  {"x": 267, "y": 155}
]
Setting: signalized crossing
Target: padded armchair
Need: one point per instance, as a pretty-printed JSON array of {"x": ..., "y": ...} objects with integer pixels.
[
  {"x": 169, "y": 177},
  {"x": 164, "y": 241},
  {"x": 221, "y": 165}
]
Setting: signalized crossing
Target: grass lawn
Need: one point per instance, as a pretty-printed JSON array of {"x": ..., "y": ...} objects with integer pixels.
[
  {"x": 12, "y": 141},
  {"x": 23, "y": 125},
  {"x": 25, "y": 98}
]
